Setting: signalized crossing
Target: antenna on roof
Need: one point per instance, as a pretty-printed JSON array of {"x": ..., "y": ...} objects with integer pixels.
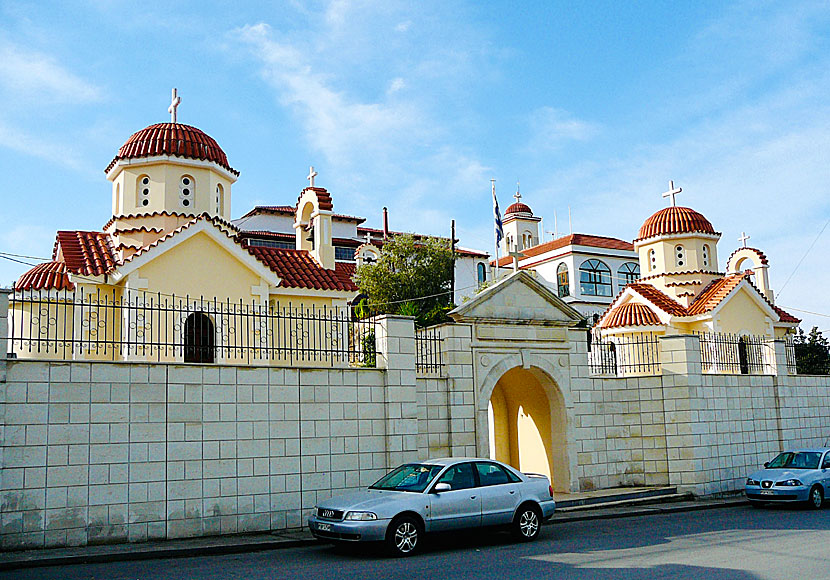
[
  {"x": 570, "y": 222},
  {"x": 555, "y": 227}
]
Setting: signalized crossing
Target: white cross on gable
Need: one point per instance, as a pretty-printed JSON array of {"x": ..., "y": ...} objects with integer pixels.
[
  {"x": 672, "y": 192},
  {"x": 311, "y": 175},
  {"x": 743, "y": 239},
  {"x": 174, "y": 104}
]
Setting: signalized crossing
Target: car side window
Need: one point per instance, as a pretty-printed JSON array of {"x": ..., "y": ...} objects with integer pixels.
[
  {"x": 826, "y": 463},
  {"x": 492, "y": 474},
  {"x": 459, "y": 476}
]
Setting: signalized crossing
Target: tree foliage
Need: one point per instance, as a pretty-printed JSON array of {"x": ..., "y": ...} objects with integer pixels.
[
  {"x": 411, "y": 278},
  {"x": 812, "y": 352}
]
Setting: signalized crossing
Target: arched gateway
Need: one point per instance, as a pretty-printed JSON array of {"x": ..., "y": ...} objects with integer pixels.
[{"x": 521, "y": 356}]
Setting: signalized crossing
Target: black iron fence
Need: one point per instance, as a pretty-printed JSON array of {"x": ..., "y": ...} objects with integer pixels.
[
  {"x": 428, "y": 358},
  {"x": 736, "y": 354},
  {"x": 155, "y": 327},
  {"x": 624, "y": 355}
]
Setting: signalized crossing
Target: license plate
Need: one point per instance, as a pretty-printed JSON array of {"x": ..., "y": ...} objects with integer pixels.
[
  {"x": 324, "y": 527},
  {"x": 767, "y": 492}
]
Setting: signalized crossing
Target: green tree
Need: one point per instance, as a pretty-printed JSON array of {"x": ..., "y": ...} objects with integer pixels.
[
  {"x": 812, "y": 352},
  {"x": 411, "y": 277}
]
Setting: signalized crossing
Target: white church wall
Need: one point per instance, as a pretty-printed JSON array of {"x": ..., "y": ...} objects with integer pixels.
[
  {"x": 343, "y": 229},
  {"x": 267, "y": 222}
]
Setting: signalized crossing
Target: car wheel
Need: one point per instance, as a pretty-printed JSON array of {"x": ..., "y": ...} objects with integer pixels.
[
  {"x": 527, "y": 523},
  {"x": 756, "y": 504},
  {"x": 403, "y": 536},
  {"x": 815, "y": 498}
]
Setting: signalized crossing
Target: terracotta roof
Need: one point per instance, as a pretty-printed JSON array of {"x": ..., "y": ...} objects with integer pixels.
[
  {"x": 298, "y": 269},
  {"x": 290, "y": 209},
  {"x": 86, "y": 253},
  {"x": 630, "y": 314},
  {"x": 785, "y": 316},
  {"x": 245, "y": 234},
  {"x": 714, "y": 293},
  {"x": 682, "y": 273},
  {"x": 658, "y": 298},
  {"x": 47, "y": 276},
  {"x": 323, "y": 197},
  {"x": 518, "y": 207},
  {"x": 215, "y": 219},
  {"x": 172, "y": 139},
  {"x": 571, "y": 240},
  {"x": 761, "y": 255},
  {"x": 675, "y": 220}
]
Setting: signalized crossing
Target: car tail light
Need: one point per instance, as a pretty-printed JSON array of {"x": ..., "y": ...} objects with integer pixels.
[{"x": 550, "y": 490}]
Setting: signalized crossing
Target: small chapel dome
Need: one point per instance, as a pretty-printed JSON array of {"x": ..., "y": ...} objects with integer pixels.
[
  {"x": 675, "y": 220},
  {"x": 172, "y": 139},
  {"x": 518, "y": 207}
]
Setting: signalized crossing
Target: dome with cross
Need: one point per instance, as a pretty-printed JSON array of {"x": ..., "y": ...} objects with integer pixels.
[
  {"x": 174, "y": 139},
  {"x": 675, "y": 220}
]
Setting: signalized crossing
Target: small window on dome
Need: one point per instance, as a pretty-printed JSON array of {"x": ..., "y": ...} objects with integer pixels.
[
  {"x": 652, "y": 259},
  {"x": 680, "y": 256},
  {"x": 706, "y": 255},
  {"x": 187, "y": 187},
  {"x": 143, "y": 191}
]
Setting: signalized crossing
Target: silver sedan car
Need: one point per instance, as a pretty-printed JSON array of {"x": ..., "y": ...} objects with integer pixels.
[
  {"x": 801, "y": 475},
  {"x": 436, "y": 495}
]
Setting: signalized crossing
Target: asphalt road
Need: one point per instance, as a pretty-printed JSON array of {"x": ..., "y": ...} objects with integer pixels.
[{"x": 735, "y": 543}]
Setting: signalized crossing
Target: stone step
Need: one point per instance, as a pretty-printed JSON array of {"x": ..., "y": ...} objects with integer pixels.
[{"x": 622, "y": 498}]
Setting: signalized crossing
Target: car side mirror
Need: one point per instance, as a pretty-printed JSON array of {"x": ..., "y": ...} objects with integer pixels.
[
  {"x": 766, "y": 463},
  {"x": 439, "y": 487}
]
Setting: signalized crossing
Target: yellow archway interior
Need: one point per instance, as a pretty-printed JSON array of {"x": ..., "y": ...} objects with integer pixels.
[{"x": 527, "y": 426}]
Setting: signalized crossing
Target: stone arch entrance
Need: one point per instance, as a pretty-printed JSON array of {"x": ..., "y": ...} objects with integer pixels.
[{"x": 527, "y": 425}]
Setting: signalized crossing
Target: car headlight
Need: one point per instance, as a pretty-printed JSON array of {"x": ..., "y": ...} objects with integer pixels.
[
  {"x": 750, "y": 481},
  {"x": 790, "y": 483},
  {"x": 361, "y": 516}
]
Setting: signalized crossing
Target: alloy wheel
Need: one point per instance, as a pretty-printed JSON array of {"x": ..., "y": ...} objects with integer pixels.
[
  {"x": 528, "y": 523},
  {"x": 406, "y": 537}
]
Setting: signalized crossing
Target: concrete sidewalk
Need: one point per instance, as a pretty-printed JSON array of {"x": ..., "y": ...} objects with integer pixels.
[{"x": 241, "y": 543}]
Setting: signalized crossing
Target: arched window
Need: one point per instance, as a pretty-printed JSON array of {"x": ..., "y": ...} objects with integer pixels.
[
  {"x": 482, "y": 273},
  {"x": 199, "y": 339},
  {"x": 187, "y": 187},
  {"x": 527, "y": 240},
  {"x": 563, "y": 283},
  {"x": 220, "y": 198},
  {"x": 142, "y": 191},
  {"x": 706, "y": 255},
  {"x": 594, "y": 278},
  {"x": 679, "y": 255},
  {"x": 652, "y": 259},
  {"x": 628, "y": 273}
]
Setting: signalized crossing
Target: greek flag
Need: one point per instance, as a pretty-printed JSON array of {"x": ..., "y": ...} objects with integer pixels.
[{"x": 497, "y": 216}]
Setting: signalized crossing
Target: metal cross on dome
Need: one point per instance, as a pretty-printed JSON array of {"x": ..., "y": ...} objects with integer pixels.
[
  {"x": 518, "y": 195},
  {"x": 311, "y": 175},
  {"x": 743, "y": 239},
  {"x": 175, "y": 101},
  {"x": 672, "y": 192}
]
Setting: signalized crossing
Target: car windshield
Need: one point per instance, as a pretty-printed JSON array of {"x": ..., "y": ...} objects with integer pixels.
[
  {"x": 796, "y": 460},
  {"x": 413, "y": 477}
]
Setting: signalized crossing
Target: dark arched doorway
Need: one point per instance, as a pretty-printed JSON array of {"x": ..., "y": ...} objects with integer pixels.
[{"x": 199, "y": 345}]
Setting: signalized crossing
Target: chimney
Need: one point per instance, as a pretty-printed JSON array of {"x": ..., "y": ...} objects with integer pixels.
[{"x": 385, "y": 223}]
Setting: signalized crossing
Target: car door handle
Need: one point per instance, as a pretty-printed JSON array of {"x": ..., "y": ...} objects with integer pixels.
[
  {"x": 472, "y": 497},
  {"x": 512, "y": 491}
]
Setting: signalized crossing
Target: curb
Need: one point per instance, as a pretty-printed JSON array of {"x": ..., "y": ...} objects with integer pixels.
[{"x": 134, "y": 552}]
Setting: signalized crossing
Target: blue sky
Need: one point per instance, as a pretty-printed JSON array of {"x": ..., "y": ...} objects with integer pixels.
[{"x": 417, "y": 105}]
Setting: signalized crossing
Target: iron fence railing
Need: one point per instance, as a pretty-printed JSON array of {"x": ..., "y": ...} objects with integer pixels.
[
  {"x": 792, "y": 359},
  {"x": 624, "y": 355},
  {"x": 144, "y": 326},
  {"x": 736, "y": 354},
  {"x": 428, "y": 357}
]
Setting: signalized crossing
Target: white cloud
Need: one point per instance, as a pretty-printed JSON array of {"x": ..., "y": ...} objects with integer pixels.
[
  {"x": 46, "y": 148},
  {"x": 403, "y": 26},
  {"x": 33, "y": 76},
  {"x": 396, "y": 85},
  {"x": 552, "y": 128}
]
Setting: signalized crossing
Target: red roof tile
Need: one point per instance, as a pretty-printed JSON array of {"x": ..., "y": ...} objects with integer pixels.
[
  {"x": 675, "y": 220},
  {"x": 571, "y": 240},
  {"x": 714, "y": 293},
  {"x": 761, "y": 255},
  {"x": 47, "y": 276},
  {"x": 323, "y": 197},
  {"x": 518, "y": 207},
  {"x": 298, "y": 269},
  {"x": 630, "y": 314},
  {"x": 290, "y": 209},
  {"x": 86, "y": 253},
  {"x": 215, "y": 219},
  {"x": 659, "y": 299},
  {"x": 172, "y": 139}
]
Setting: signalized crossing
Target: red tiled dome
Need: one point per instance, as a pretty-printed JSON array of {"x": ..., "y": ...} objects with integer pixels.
[
  {"x": 172, "y": 139},
  {"x": 675, "y": 220},
  {"x": 630, "y": 314},
  {"x": 518, "y": 207}
]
